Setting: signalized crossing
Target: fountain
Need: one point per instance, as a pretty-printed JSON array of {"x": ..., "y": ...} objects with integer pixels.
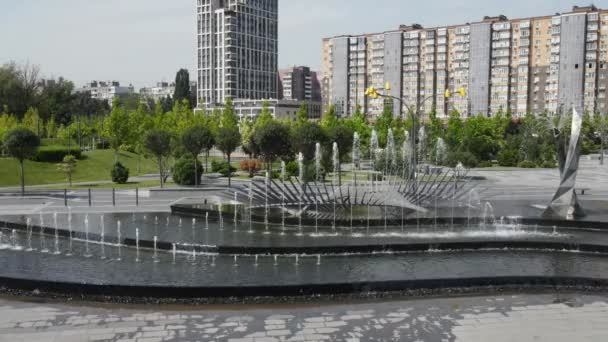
[
  {"x": 174, "y": 252},
  {"x": 155, "y": 257},
  {"x": 103, "y": 236},
  {"x": 71, "y": 235},
  {"x": 86, "y": 237},
  {"x": 119, "y": 240},
  {"x": 43, "y": 248},
  {"x": 283, "y": 175},
  {"x": 137, "y": 244},
  {"x": 29, "y": 232},
  {"x": 318, "y": 158}
]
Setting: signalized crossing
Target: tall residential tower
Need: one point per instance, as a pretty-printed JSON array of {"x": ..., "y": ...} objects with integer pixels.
[
  {"x": 528, "y": 65},
  {"x": 237, "y": 50}
]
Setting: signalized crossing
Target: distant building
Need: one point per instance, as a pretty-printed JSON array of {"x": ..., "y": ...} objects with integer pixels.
[
  {"x": 237, "y": 50},
  {"x": 280, "y": 109},
  {"x": 106, "y": 90},
  {"x": 161, "y": 91},
  {"x": 299, "y": 83},
  {"x": 525, "y": 65}
]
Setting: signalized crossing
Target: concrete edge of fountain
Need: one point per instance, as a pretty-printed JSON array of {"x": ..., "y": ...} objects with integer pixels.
[{"x": 287, "y": 293}]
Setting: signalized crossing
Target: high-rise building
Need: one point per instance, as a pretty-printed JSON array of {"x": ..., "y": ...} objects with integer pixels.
[
  {"x": 528, "y": 65},
  {"x": 237, "y": 50},
  {"x": 299, "y": 83}
]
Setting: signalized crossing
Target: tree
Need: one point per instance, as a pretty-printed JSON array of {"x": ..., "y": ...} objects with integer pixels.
[
  {"x": 229, "y": 118},
  {"x": 182, "y": 86},
  {"x": 158, "y": 142},
  {"x": 21, "y": 144},
  {"x": 384, "y": 122},
  {"x": 31, "y": 121},
  {"x": 273, "y": 141},
  {"x": 302, "y": 116},
  {"x": 306, "y": 137},
  {"x": 265, "y": 116},
  {"x": 68, "y": 167},
  {"x": 329, "y": 119},
  {"x": 228, "y": 139},
  {"x": 195, "y": 140},
  {"x": 116, "y": 127}
]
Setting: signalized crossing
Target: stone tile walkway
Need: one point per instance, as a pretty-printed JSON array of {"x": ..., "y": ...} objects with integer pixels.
[{"x": 554, "y": 318}]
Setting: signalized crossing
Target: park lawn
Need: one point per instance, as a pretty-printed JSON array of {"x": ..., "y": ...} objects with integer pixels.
[
  {"x": 96, "y": 166},
  {"x": 93, "y": 186}
]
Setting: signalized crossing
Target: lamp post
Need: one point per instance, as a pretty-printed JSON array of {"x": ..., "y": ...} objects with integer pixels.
[{"x": 374, "y": 94}]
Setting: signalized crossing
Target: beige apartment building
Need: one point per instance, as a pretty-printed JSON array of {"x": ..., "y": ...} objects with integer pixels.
[{"x": 528, "y": 65}]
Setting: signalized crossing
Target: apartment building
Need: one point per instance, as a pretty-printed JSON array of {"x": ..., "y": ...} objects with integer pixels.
[
  {"x": 538, "y": 64},
  {"x": 107, "y": 91},
  {"x": 161, "y": 91},
  {"x": 237, "y": 50},
  {"x": 299, "y": 83}
]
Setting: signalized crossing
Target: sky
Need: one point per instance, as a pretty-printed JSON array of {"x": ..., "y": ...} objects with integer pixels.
[{"x": 146, "y": 41}]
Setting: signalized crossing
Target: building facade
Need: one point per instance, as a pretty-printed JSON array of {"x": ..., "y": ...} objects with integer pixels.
[
  {"x": 280, "y": 109},
  {"x": 161, "y": 91},
  {"x": 237, "y": 50},
  {"x": 299, "y": 83},
  {"x": 107, "y": 91},
  {"x": 528, "y": 65}
]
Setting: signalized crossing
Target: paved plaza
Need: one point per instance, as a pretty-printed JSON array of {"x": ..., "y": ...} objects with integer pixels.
[{"x": 517, "y": 318}]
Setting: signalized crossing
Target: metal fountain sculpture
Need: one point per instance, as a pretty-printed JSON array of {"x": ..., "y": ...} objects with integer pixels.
[{"x": 565, "y": 203}]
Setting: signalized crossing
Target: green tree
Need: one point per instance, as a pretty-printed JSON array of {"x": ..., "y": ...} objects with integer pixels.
[
  {"x": 21, "y": 144},
  {"x": 228, "y": 139},
  {"x": 31, "y": 121},
  {"x": 158, "y": 142},
  {"x": 454, "y": 131},
  {"x": 306, "y": 136},
  {"x": 330, "y": 119},
  {"x": 273, "y": 141},
  {"x": 116, "y": 128},
  {"x": 384, "y": 122},
  {"x": 182, "y": 87},
  {"x": 195, "y": 139},
  {"x": 68, "y": 167},
  {"x": 229, "y": 118},
  {"x": 302, "y": 115}
]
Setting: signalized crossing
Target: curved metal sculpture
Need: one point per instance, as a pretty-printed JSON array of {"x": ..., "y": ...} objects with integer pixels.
[{"x": 565, "y": 204}]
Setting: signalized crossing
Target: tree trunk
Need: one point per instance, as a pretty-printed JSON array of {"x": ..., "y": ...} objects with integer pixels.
[
  {"x": 229, "y": 173},
  {"x": 195, "y": 170},
  {"x": 206, "y": 168},
  {"x": 22, "y": 178},
  {"x": 160, "y": 170}
]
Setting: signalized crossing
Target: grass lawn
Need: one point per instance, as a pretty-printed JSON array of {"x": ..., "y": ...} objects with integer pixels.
[
  {"x": 95, "y": 166},
  {"x": 130, "y": 185}
]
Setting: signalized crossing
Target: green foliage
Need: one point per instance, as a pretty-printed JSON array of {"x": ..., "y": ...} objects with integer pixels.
[
  {"x": 229, "y": 118},
  {"x": 182, "y": 87},
  {"x": 21, "y": 143},
  {"x": 273, "y": 141},
  {"x": 184, "y": 171},
  {"x": 508, "y": 157},
  {"x": 307, "y": 135},
  {"x": 467, "y": 159},
  {"x": 384, "y": 122},
  {"x": 56, "y": 153},
  {"x": 292, "y": 169},
  {"x": 302, "y": 115},
  {"x": 68, "y": 167},
  {"x": 329, "y": 119},
  {"x": 116, "y": 127},
  {"x": 527, "y": 164},
  {"x": 158, "y": 142},
  {"x": 222, "y": 167},
  {"x": 343, "y": 136},
  {"x": 119, "y": 173}
]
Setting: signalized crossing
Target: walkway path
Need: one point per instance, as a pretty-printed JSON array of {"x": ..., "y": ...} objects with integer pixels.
[{"x": 550, "y": 318}]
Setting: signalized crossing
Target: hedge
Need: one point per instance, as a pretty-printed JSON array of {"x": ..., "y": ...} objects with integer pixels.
[{"x": 56, "y": 153}]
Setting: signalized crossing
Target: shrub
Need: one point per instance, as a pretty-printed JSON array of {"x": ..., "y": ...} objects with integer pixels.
[
  {"x": 120, "y": 174},
  {"x": 292, "y": 169},
  {"x": 56, "y": 153},
  {"x": 222, "y": 167},
  {"x": 466, "y": 158},
  {"x": 485, "y": 163},
  {"x": 508, "y": 157},
  {"x": 183, "y": 171},
  {"x": 252, "y": 166},
  {"x": 549, "y": 164},
  {"x": 527, "y": 164}
]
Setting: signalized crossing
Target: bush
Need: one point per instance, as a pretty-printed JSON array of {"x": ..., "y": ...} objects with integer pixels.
[
  {"x": 466, "y": 158},
  {"x": 549, "y": 164},
  {"x": 222, "y": 167},
  {"x": 292, "y": 169},
  {"x": 120, "y": 174},
  {"x": 485, "y": 163},
  {"x": 56, "y": 153},
  {"x": 183, "y": 171},
  {"x": 527, "y": 164},
  {"x": 508, "y": 157},
  {"x": 252, "y": 166}
]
